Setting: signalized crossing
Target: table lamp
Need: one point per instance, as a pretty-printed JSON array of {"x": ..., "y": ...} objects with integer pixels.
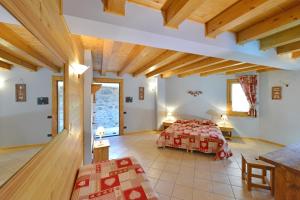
[
  {"x": 100, "y": 132},
  {"x": 224, "y": 119}
]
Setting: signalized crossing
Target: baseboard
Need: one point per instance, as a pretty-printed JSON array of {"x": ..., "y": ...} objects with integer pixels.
[
  {"x": 259, "y": 139},
  {"x": 21, "y": 147},
  {"x": 142, "y": 131}
]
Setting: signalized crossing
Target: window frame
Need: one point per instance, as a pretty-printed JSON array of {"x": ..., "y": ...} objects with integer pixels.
[{"x": 229, "y": 100}]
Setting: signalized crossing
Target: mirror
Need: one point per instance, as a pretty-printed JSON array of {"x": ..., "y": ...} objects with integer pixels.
[{"x": 31, "y": 96}]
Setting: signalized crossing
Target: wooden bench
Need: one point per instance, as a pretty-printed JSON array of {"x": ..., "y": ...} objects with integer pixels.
[{"x": 250, "y": 163}]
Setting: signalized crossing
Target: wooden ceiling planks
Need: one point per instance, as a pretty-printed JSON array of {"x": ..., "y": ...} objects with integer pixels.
[
  {"x": 137, "y": 59},
  {"x": 7, "y": 56},
  {"x": 185, "y": 59},
  {"x": 13, "y": 41},
  {"x": 5, "y": 65},
  {"x": 248, "y": 19},
  {"x": 225, "y": 69},
  {"x": 158, "y": 61},
  {"x": 250, "y": 69}
]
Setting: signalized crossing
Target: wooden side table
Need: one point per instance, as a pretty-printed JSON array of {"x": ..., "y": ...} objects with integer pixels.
[
  {"x": 226, "y": 130},
  {"x": 101, "y": 151},
  {"x": 166, "y": 124}
]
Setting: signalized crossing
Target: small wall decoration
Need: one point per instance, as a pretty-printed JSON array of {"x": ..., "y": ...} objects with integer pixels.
[
  {"x": 194, "y": 93},
  {"x": 42, "y": 100},
  {"x": 20, "y": 92},
  {"x": 276, "y": 93},
  {"x": 141, "y": 93},
  {"x": 128, "y": 99}
]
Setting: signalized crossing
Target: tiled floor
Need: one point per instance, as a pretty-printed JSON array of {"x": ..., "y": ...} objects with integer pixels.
[
  {"x": 178, "y": 175},
  {"x": 11, "y": 162}
]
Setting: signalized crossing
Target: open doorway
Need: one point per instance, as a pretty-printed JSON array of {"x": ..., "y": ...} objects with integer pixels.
[
  {"x": 108, "y": 107},
  {"x": 57, "y": 105}
]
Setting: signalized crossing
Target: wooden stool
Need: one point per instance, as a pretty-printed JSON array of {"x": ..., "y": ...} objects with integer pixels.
[{"x": 250, "y": 163}]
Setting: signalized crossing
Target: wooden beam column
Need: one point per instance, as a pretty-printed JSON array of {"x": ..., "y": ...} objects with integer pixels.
[
  {"x": 116, "y": 7},
  {"x": 175, "y": 12}
]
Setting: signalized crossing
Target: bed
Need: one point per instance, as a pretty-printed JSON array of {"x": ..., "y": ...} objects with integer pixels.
[
  {"x": 118, "y": 179},
  {"x": 195, "y": 135}
]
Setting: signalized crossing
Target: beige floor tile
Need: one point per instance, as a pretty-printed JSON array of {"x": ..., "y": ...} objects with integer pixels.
[
  {"x": 220, "y": 178},
  {"x": 203, "y": 185},
  {"x": 154, "y": 173},
  {"x": 221, "y": 197},
  {"x": 201, "y": 195},
  {"x": 222, "y": 189},
  {"x": 236, "y": 181},
  {"x": 195, "y": 170},
  {"x": 170, "y": 177},
  {"x": 185, "y": 180},
  {"x": 183, "y": 192},
  {"x": 163, "y": 197},
  {"x": 172, "y": 168},
  {"x": 164, "y": 187}
]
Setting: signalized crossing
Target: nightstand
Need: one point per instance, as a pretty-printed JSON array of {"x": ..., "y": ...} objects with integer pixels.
[
  {"x": 226, "y": 130},
  {"x": 166, "y": 124},
  {"x": 101, "y": 151}
]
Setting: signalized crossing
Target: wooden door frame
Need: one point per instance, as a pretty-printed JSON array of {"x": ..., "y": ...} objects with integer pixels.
[
  {"x": 121, "y": 97},
  {"x": 55, "y": 80}
]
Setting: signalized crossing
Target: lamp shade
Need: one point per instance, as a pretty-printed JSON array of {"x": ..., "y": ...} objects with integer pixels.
[
  {"x": 100, "y": 131},
  {"x": 224, "y": 117}
]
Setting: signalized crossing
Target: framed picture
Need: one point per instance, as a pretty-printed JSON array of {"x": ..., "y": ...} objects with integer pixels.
[
  {"x": 42, "y": 100},
  {"x": 276, "y": 93},
  {"x": 20, "y": 92},
  {"x": 128, "y": 99},
  {"x": 141, "y": 93}
]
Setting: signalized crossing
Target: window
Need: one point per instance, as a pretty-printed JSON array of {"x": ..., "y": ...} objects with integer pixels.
[{"x": 237, "y": 103}]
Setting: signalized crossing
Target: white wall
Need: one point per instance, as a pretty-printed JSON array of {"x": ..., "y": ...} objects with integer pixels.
[
  {"x": 87, "y": 108},
  {"x": 210, "y": 105},
  {"x": 141, "y": 115},
  {"x": 280, "y": 119},
  {"x": 25, "y": 122}
]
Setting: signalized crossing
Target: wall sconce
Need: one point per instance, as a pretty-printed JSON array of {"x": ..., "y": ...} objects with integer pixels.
[
  {"x": 2, "y": 83},
  {"x": 152, "y": 85},
  {"x": 194, "y": 93},
  {"x": 78, "y": 68}
]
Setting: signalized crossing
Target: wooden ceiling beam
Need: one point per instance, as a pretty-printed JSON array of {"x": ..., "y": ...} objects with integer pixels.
[
  {"x": 224, "y": 69},
  {"x": 107, "y": 52},
  {"x": 5, "y": 65},
  {"x": 12, "y": 40},
  {"x": 237, "y": 14},
  {"x": 14, "y": 59},
  {"x": 116, "y": 7},
  {"x": 296, "y": 55},
  {"x": 44, "y": 21},
  {"x": 274, "y": 24},
  {"x": 282, "y": 38},
  {"x": 217, "y": 65},
  {"x": 193, "y": 66},
  {"x": 288, "y": 48},
  {"x": 186, "y": 59},
  {"x": 155, "y": 62},
  {"x": 175, "y": 12},
  {"x": 97, "y": 59},
  {"x": 251, "y": 69},
  {"x": 267, "y": 70},
  {"x": 132, "y": 57}
]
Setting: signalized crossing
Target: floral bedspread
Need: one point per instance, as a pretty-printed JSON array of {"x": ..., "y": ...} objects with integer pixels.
[
  {"x": 119, "y": 179},
  {"x": 195, "y": 135}
]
